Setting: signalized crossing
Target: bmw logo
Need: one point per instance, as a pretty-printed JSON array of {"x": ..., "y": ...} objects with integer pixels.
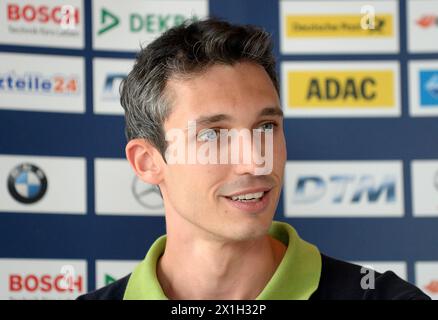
[{"x": 27, "y": 183}]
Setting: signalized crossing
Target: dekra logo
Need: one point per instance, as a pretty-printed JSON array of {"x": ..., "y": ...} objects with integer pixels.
[{"x": 149, "y": 23}]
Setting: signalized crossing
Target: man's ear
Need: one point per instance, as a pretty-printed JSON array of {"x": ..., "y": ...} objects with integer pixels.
[{"x": 145, "y": 160}]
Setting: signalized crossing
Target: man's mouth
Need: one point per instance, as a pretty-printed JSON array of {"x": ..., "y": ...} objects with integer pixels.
[
  {"x": 248, "y": 197},
  {"x": 251, "y": 202}
]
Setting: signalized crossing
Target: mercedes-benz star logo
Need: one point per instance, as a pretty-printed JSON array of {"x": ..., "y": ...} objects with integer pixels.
[{"x": 146, "y": 194}]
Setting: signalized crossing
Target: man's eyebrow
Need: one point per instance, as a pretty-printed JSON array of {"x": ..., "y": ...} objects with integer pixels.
[
  {"x": 212, "y": 119},
  {"x": 271, "y": 111}
]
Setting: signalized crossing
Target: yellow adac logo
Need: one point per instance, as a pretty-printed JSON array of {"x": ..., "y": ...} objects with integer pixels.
[
  {"x": 340, "y": 89},
  {"x": 327, "y": 26}
]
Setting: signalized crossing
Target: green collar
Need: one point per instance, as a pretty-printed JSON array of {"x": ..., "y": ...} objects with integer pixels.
[{"x": 296, "y": 278}]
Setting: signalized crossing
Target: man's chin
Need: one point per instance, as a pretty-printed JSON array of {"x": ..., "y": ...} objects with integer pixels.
[{"x": 248, "y": 230}]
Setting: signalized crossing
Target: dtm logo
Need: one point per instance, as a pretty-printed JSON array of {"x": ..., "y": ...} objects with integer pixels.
[
  {"x": 345, "y": 188},
  {"x": 111, "y": 86},
  {"x": 429, "y": 88},
  {"x": 27, "y": 183}
]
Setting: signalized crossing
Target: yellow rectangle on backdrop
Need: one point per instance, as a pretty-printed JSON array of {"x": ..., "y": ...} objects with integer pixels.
[{"x": 345, "y": 89}]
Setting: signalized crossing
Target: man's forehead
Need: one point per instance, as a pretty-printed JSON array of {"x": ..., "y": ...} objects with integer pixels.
[
  {"x": 222, "y": 77},
  {"x": 198, "y": 97}
]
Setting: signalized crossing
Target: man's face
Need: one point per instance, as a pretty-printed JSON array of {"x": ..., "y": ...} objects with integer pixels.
[{"x": 200, "y": 194}]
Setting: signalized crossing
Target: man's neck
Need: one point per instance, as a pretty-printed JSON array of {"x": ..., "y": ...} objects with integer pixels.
[{"x": 203, "y": 269}]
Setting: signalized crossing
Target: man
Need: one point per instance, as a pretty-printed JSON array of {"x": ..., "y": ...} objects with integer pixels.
[{"x": 203, "y": 80}]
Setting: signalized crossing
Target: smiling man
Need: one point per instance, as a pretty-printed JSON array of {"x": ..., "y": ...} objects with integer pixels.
[{"x": 211, "y": 83}]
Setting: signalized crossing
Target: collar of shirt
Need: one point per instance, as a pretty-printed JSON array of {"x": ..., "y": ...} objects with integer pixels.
[{"x": 296, "y": 277}]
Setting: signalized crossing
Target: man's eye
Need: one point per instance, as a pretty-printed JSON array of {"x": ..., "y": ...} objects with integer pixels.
[
  {"x": 208, "y": 135},
  {"x": 267, "y": 126}
]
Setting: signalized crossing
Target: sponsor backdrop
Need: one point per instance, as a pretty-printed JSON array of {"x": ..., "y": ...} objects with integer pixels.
[{"x": 359, "y": 89}]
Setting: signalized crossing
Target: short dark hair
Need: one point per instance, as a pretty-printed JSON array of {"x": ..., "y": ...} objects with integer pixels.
[{"x": 185, "y": 50}]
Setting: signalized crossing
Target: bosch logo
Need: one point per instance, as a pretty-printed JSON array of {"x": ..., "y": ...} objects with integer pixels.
[
  {"x": 43, "y": 283},
  {"x": 61, "y": 15}
]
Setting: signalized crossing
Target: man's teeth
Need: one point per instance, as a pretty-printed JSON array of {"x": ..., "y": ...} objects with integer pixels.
[{"x": 248, "y": 196}]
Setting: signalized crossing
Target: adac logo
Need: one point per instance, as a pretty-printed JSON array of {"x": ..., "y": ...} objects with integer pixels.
[
  {"x": 147, "y": 195},
  {"x": 108, "y": 20},
  {"x": 428, "y": 21},
  {"x": 432, "y": 287},
  {"x": 27, "y": 183},
  {"x": 429, "y": 88},
  {"x": 334, "y": 88}
]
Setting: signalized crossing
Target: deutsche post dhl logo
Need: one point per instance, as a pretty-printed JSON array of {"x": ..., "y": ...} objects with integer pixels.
[
  {"x": 348, "y": 26},
  {"x": 340, "y": 89}
]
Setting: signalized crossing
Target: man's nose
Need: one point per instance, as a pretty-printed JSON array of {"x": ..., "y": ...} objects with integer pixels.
[{"x": 248, "y": 153}]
